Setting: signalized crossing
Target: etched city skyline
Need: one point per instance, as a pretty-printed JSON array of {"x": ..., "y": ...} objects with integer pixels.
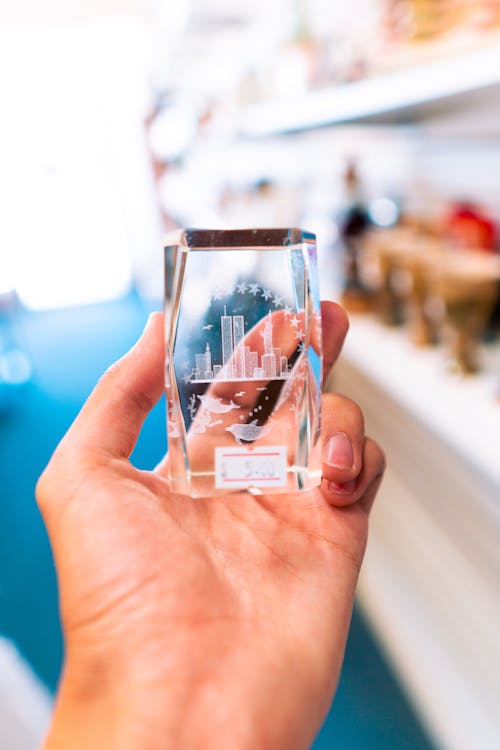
[{"x": 239, "y": 362}]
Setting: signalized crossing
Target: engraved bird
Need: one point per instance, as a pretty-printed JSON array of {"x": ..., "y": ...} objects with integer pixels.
[
  {"x": 216, "y": 406},
  {"x": 248, "y": 432},
  {"x": 207, "y": 327},
  {"x": 200, "y": 423},
  {"x": 240, "y": 393}
]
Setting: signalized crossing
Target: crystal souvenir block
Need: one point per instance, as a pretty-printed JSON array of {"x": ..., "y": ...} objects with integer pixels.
[{"x": 243, "y": 361}]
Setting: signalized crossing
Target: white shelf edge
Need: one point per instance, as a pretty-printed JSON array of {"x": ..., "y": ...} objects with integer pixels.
[{"x": 404, "y": 91}]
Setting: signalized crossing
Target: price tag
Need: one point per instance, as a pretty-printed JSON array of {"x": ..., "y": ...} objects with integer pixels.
[{"x": 250, "y": 467}]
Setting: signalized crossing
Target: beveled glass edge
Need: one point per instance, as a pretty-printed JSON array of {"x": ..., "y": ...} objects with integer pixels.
[{"x": 193, "y": 238}]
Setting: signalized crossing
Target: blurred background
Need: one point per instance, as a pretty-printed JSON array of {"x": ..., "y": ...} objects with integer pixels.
[{"x": 375, "y": 124}]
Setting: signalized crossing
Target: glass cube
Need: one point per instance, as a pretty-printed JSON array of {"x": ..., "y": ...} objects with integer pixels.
[{"x": 243, "y": 361}]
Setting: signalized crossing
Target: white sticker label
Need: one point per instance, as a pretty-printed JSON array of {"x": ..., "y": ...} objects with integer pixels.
[{"x": 250, "y": 467}]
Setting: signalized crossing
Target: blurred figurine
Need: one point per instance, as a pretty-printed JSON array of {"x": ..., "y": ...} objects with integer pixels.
[{"x": 353, "y": 224}]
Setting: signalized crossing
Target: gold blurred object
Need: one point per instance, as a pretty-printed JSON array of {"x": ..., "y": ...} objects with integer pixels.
[
  {"x": 435, "y": 17},
  {"x": 423, "y": 314},
  {"x": 467, "y": 283},
  {"x": 429, "y": 20},
  {"x": 379, "y": 253},
  {"x": 440, "y": 293},
  {"x": 356, "y": 301},
  {"x": 401, "y": 255}
]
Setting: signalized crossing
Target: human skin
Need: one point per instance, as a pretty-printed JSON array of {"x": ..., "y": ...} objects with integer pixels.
[{"x": 215, "y": 623}]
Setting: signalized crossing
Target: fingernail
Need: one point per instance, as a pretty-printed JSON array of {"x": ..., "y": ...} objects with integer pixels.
[
  {"x": 339, "y": 452},
  {"x": 345, "y": 489}
]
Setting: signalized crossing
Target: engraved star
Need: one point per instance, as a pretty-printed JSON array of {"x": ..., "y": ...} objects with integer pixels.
[
  {"x": 253, "y": 289},
  {"x": 241, "y": 288},
  {"x": 295, "y": 322},
  {"x": 298, "y": 334},
  {"x": 187, "y": 377},
  {"x": 266, "y": 294},
  {"x": 218, "y": 294},
  {"x": 277, "y": 300},
  {"x": 288, "y": 311},
  {"x": 302, "y": 347}
]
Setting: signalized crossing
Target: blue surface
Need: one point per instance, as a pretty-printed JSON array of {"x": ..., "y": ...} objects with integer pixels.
[
  {"x": 69, "y": 351},
  {"x": 370, "y": 711}
]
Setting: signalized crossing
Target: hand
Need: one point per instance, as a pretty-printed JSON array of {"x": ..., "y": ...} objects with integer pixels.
[{"x": 218, "y": 623}]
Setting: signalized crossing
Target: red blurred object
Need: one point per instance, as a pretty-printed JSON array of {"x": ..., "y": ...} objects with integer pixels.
[{"x": 469, "y": 229}]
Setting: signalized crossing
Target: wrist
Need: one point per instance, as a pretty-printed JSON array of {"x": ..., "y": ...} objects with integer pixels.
[
  {"x": 101, "y": 705},
  {"x": 108, "y": 706}
]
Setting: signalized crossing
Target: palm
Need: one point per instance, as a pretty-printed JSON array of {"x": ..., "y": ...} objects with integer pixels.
[
  {"x": 238, "y": 596},
  {"x": 247, "y": 579}
]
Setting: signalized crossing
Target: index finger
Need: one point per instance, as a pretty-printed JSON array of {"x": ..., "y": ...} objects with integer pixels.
[{"x": 334, "y": 324}]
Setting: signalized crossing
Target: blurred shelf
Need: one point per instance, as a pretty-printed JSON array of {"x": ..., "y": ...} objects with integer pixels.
[{"x": 403, "y": 96}]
